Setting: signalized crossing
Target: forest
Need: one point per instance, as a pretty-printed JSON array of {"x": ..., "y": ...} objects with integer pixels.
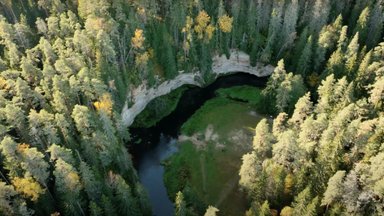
[{"x": 70, "y": 68}]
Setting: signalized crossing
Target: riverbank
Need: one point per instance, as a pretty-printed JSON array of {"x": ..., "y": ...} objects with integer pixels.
[
  {"x": 211, "y": 144},
  {"x": 239, "y": 62}
]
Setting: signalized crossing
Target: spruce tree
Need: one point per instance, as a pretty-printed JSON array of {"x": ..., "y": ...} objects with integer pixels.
[
  {"x": 304, "y": 63},
  {"x": 180, "y": 205}
]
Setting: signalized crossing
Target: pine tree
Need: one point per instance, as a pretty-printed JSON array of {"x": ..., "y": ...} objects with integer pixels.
[
  {"x": 303, "y": 108},
  {"x": 42, "y": 129},
  {"x": 310, "y": 133},
  {"x": 126, "y": 202},
  {"x": 289, "y": 91},
  {"x": 94, "y": 209},
  {"x": 325, "y": 92},
  {"x": 286, "y": 151},
  {"x": 83, "y": 120},
  {"x": 335, "y": 65},
  {"x": 91, "y": 184},
  {"x": 250, "y": 174},
  {"x": 342, "y": 42},
  {"x": 334, "y": 190},
  {"x": 143, "y": 199},
  {"x": 312, "y": 208},
  {"x": 41, "y": 26},
  {"x": 65, "y": 127},
  {"x": 274, "y": 27},
  {"x": 300, "y": 44},
  {"x": 68, "y": 185},
  {"x": 363, "y": 77},
  {"x": 59, "y": 152},
  {"x": 320, "y": 15},
  {"x": 286, "y": 211},
  {"x": 327, "y": 41},
  {"x": 108, "y": 207},
  {"x": 262, "y": 141},
  {"x": 375, "y": 25},
  {"x": 377, "y": 94},
  {"x": 211, "y": 211},
  {"x": 264, "y": 209},
  {"x": 10, "y": 203},
  {"x": 376, "y": 178},
  {"x": 362, "y": 24},
  {"x": 11, "y": 159},
  {"x": 16, "y": 119},
  {"x": 304, "y": 63},
  {"x": 34, "y": 164},
  {"x": 351, "y": 57},
  {"x": 280, "y": 124},
  {"x": 351, "y": 193},
  {"x": 301, "y": 202},
  {"x": 180, "y": 205},
  {"x": 289, "y": 26}
]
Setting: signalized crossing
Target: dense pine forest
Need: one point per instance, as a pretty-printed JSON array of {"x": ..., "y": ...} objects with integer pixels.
[{"x": 68, "y": 67}]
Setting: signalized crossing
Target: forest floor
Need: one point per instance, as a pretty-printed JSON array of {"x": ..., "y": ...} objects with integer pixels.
[{"x": 212, "y": 143}]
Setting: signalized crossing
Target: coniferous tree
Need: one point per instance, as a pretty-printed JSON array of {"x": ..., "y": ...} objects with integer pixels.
[
  {"x": 375, "y": 26},
  {"x": 126, "y": 202},
  {"x": 10, "y": 203},
  {"x": 362, "y": 24},
  {"x": 303, "y": 109},
  {"x": 351, "y": 57},
  {"x": 180, "y": 206},
  {"x": 68, "y": 185},
  {"x": 328, "y": 37},
  {"x": 286, "y": 151},
  {"x": 289, "y": 26},
  {"x": 262, "y": 141},
  {"x": 304, "y": 63},
  {"x": 320, "y": 13},
  {"x": 264, "y": 209},
  {"x": 301, "y": 202},
  {"x": 334, "y": 190},
  {"x": 211, "y": 211}
]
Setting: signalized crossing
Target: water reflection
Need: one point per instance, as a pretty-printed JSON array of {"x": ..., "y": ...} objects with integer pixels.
[{"x": 151, "y": 175}]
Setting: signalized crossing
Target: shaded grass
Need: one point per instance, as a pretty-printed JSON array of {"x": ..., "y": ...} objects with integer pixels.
[
  {"x": 249, "y": 94},
  {"x": 159, "y": 108}
]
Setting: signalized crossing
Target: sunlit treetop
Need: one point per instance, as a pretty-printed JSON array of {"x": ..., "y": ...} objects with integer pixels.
[
  {"x": 105, "y": 104},
  {"x": 203, "y": 28},
  {"x": 142, "y": 59},
  {"x": 28, "y": 187},
  {"x": 138, "y": 39},
  {"x": 225, "y": 23}
]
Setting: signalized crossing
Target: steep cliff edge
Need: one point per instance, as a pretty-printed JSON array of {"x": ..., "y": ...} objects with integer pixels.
[{"x": 238, "y": 62}]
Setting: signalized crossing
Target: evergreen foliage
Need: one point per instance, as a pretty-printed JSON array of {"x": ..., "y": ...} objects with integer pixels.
[{"x": 67, "y": 67}]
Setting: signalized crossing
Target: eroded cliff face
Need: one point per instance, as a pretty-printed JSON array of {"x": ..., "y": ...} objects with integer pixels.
[{"x": 141, "y": 96}]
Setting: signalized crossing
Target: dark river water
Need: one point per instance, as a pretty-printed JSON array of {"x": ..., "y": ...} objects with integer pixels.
[{"x": 159, "y": 142}]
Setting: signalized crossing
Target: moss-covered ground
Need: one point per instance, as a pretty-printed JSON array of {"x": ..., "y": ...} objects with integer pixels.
[{"x": 220, "y": 132}]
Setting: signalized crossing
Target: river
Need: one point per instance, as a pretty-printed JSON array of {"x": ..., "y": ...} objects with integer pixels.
[{"x": 159, "y": 142}]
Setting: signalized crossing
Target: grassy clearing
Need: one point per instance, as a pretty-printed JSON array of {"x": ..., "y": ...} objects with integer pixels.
[
  {"x": 213, "y": 172},
  {"x": 245, "y": 93}
]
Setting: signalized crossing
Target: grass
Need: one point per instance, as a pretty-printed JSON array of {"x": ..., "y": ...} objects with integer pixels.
[
  {"x": 213, "y": 172},
  {"x": 159, "y": 108},
  {"x": 244, "y": 93}
]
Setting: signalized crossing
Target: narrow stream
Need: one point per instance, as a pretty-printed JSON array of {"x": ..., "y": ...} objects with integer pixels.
[
  {"x": 151, "y": 172},
  {"x": 159, "y": 142}
]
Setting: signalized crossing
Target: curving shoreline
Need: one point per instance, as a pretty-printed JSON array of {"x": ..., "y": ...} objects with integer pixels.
[{"x": 238, "y": 62}]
